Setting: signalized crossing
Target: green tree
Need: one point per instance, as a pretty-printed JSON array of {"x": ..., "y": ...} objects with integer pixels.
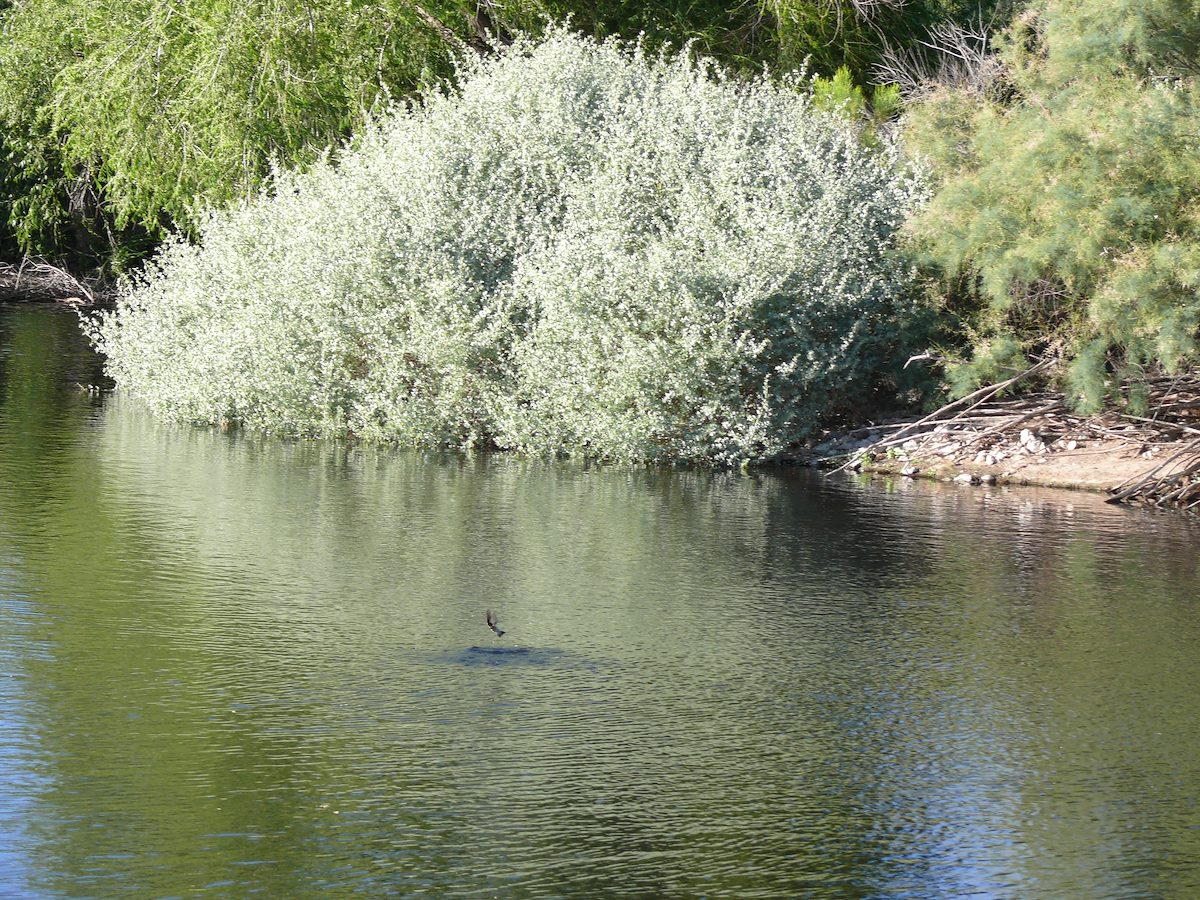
[
  {"x": 121, "y": 119},
  {"x": 1068, "y": 191},
  {"x": 127, "y": 115}
]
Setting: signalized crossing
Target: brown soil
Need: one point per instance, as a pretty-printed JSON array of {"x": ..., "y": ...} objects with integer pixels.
[
  {"x": 1036, "y": 439},
  {"x": 1095, "y": 466}
]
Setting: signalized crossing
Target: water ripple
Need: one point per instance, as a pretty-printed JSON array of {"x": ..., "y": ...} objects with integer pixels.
[{"x": 236, "y": 666}]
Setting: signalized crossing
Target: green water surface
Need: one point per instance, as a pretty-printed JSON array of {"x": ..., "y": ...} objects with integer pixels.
[{"x": 237, "y": 666}]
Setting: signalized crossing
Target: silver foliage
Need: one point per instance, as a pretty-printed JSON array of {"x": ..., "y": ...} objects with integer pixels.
[{"x": 580, "y": 249}]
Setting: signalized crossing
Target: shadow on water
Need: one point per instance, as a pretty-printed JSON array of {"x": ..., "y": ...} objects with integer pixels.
[
  {"x": 508, "y": 656},
  {"x": 237, "y": 663},
  {"x": 515, "y": 657}
]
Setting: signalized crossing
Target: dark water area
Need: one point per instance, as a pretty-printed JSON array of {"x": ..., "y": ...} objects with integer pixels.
[{"x": 237, "y": 666}]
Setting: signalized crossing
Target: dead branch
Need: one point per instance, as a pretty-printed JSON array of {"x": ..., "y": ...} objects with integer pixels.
[
  {"x": 952, "y": 56},
  {"x": 976, "y": 398},
  {"x": 39, "y": 280},
  {"x": 1158, "y": 487},
  {"x": 983, "y": 430},
  {"x": 445, "y": 32}
]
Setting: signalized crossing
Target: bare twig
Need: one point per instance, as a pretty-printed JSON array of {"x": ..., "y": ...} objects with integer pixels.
[
  {"x": 445, "y": 32},
  {"x": 1154, "y": 486},
  {"x": 1176, "y": 425},
  {"x": 1014, "y": 423},
  {"x": 952, "y": 55},
  {"x": 976, "y": 398},
  {"x": 40, "y": 280}
]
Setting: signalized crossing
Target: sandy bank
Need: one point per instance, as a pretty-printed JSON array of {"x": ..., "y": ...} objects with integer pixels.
[{"x": 1037, "y": 440}]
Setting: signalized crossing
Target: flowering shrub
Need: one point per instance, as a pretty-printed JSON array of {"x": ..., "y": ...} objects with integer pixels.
[{"x": 582, "y": 248}]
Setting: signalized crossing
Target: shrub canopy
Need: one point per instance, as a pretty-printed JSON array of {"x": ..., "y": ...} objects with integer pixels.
[
  {"x": 582, "y": 249},
  {"x": 1069, "y": 189}
]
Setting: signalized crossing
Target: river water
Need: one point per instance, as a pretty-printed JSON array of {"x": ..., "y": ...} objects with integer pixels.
[{"x": 239, "y": 666}]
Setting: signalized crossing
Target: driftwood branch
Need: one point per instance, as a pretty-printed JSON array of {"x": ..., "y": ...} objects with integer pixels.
[
  {"x": 1160, "y": 486},
  {"x": 39, "y": 281},
  {"x": 971, "y": 402},
  {"x": 980, "y": 429}
]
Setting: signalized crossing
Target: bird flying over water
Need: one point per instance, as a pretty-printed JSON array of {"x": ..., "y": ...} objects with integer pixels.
[{"x": 491, "y": 620}]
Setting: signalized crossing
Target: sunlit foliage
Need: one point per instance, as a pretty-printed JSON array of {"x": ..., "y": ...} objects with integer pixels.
[
  {"x": 1069, "y": 190},
  {"x": 121, "y": 119},
  {"x": 153, "y": 108},
  {"x": 582, "y": 249}
]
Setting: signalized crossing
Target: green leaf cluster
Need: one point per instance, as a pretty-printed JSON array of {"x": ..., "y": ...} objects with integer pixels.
[
  {"x": 121, "y": 119},
  {"x": 133, "y": 114},
  {"x": 1068, "y": 191},
  {"x": 839, "y": 93}
]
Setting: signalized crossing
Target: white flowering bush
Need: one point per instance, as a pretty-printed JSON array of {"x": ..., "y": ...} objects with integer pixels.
[{"x": 581, "y": 248}]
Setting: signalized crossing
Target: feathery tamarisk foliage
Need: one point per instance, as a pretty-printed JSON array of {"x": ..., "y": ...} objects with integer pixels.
[
  {"x": 1068, "y": 190},
  {"x": 582, "y": 248}
]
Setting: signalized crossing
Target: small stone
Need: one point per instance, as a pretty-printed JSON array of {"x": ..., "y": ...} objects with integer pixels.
[
  {"x": 989, "y": 478},
  {"x": 1030, "y": 442},
  {"x": 949, "y": 450},
  {"x": 964, "y": 478},
  {"x": 1071, "y": 445},
  {"x": 909, "y": 446},
  {"x": 909, "y": 471}
]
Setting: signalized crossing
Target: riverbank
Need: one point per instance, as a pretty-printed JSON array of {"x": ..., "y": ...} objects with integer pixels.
[
  {"x": 1095, "y": 466},
  {"x": 1036, "y": 440},
  {"x": 1032, "y": 440}
]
